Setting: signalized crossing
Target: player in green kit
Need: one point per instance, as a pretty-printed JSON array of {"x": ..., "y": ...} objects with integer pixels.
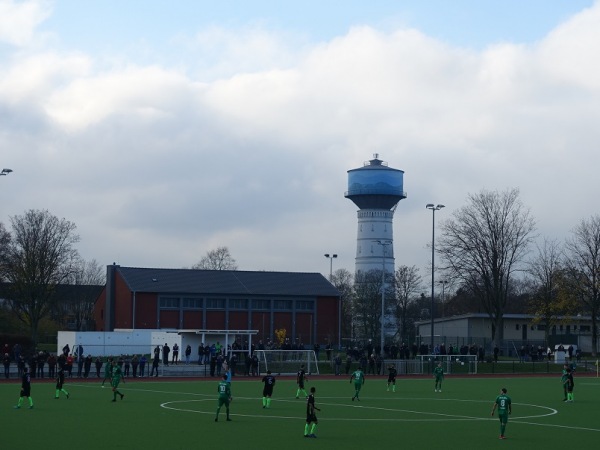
[
  {"x": 117, "y": 376},
  {"x": 107, "y": 370},
  {"x": 438, "y": 374},
  {"x": 60, "y": 380},
  {"x": 224, "y": 390},
  {"x": 504, "y": 405},
  {"x": 359, "y": 379}
]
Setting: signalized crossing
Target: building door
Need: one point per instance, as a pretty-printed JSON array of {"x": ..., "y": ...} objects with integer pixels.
[{"x": 524, "y": 331}]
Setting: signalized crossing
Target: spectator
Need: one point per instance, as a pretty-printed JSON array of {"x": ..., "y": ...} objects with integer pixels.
[
  {"x": 98, "y": 366},
  {"x": 87, "y": 366},
  {"x": 6, "y": 362},
  {"x": 142, "y": 365},
  {"x": 175, "y": 359},
  {"x": 166, "y": 351},
  {"x": 188, "y": 353},
  {"x": 51, "y": 366},
  {"x": 134, "y": 365}
]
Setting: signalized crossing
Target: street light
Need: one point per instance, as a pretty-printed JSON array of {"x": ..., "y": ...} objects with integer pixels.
[
  {"x": 384, "y": 244},
  {"x": 443, "y": 283},
  {"x": 331, "y": 258},
  {"x": 433, "y": 209},
  {"x": 5, "y": 172}
]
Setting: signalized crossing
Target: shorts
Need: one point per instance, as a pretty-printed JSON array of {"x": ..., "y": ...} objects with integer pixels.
[
  {"x": 223, "y": 401},
  {"x": 267, "y": 392},
  {"x": 391, "y": 379},
  {"x": 311, "y": 418},
  {"x": 301, "y": 384},
  {"x": 26, "y": 391}
]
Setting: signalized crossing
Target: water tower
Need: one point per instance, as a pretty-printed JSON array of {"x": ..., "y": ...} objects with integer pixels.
[{"x": 376, "y": 189}]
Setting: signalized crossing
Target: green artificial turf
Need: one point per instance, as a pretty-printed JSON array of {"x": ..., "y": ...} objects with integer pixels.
[{"x": 170, "y": 415}]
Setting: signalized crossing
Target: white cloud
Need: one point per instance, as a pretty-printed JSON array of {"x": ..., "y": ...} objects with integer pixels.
[
  {"x": 157, "y": 165},
  {"x": 19, "y": 20}
]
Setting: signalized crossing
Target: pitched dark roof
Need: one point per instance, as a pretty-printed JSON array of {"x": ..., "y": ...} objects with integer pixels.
[{"x": 226, "y": 282}]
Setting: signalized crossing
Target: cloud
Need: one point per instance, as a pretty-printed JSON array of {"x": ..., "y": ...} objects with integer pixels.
[
  {"x": 248, "y": 145},
  {"x": 19, "y": 20}
]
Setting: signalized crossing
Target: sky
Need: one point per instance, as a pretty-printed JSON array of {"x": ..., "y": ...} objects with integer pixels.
[{"x": 167, "y": 129}]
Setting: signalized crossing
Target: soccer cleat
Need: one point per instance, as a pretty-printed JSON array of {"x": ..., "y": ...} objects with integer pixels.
[
  {"x": 55, "y": 398},
  {"x": 312, "y": 435},
  {"x": 216, "y": 419},
  {"x": 17, "y": 407},
  {"x": 352, "y": 398},
  {"x": 68, "y": 396},
  {"x": 31, "y": 407},
  {"x": 306, "y": 435},
  {"x": 440, "y": 390},
  {"x": 122, "y": 395},
  {"x": 229, "y": 420},
  {"x": 114, "y": 400},
  {"x": 502, "y": 436}
]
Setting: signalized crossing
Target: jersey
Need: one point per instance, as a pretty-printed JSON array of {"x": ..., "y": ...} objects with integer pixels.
[
  {"x": 269, "y": 381},
  {"x": 503, "y": 401},
  {"x": 310, "y": 409},
  {"x": 224, "y": 390},
  {"x": 564, "y": 377},
  {"x": 392, "y": 373},
  {"x": 359, "y": 377},
  {"x": 438, "y": 372},
  {"x": 300, "y": 377}
]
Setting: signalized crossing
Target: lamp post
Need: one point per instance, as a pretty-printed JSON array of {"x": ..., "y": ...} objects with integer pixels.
[
  {"x": 331, "y": 258},
  {"x": 433, "y": 209},
  {"x": 443, "y": 283},
  {"x": 5, "y": 172},
  {"x": 384, "y": 244}
]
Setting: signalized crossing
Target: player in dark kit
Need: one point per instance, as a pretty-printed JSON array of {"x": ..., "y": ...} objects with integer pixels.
[
  {"x": 269, "y": 381},
  {"x": 504, "y": 405},
  {"x": 300, "y": 379},
  {"x": 25, "y": 389},
  {"x": 392, "y": 377},
  {"x": 60, "y": 380},
  {"x": 570, "y": 386},
  {"x": 310, "y": 415}
]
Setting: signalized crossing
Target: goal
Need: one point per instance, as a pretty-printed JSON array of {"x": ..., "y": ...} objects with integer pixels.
[
  {"x": 452, "y": 364},
  {"x": 287, "y": 362}
]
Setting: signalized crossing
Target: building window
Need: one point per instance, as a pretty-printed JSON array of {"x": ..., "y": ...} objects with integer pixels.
[
  {"x": 261, "y": 304},
  {"x": 193, "y": 303},
  {"x": 282, "y": 304},
  {"x": 169, "y": 302},
  {"x": 238, "y": 303},
  {"x": 517, "y": 326},
  {"x": 305, "y": 305},
  {"x": 215, "y": 303},
  {"x": 585, "y": 328}
]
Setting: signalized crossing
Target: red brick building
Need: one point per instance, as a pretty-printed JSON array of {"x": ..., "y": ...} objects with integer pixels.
[{"x": 306, "y": 305}]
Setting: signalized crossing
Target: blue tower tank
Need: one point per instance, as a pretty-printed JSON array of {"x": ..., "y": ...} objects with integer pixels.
[{"x": 376, "y": 189}]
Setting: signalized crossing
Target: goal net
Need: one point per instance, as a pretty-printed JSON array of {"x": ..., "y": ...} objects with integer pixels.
[
  {"x": 287, "y": 362},
  {"x": 452, "y": 364}
]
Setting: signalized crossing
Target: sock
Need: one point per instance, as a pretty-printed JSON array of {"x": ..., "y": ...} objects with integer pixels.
[
  {"x": 306, "y": 429},
  {"x": 114, "y": 395},
  {"x": 269, "y": 402},
  {"x": 264, "y": 401},
  {"x": 298, "y": 393},
  {"x": 218, "y": 411},
  {"x": 304, "y": 392},
  {"x": 227, "y": 410},
  {"x": 313, "y": 429},
  {"x": 57, "y": 393},
  {"x": 394, "y": 388},
  {"x": 65, "y": 392},
  {"x": 502, "y": 428},
  {"x": 30, "y": 401},
  {"x": 20, "y": 402}
]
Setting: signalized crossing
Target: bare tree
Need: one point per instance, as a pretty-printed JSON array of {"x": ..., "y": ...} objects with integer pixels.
[
  {"x": 4, "y": 247},
  {"x": 583, "y": 264},
  {"x": 482, "y": 246},
  {"x": 343, "y": 280},
  {"x": 218, "y": 259},
  {"x": 407, "y": 285},
  {"x": 87, "y": 279},
  {"x": 548, "y": 300},
  {"x": 40, "y": 256},
  {"x": 366, "y": 309}
]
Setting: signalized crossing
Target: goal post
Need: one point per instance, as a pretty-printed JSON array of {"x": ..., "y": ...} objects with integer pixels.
[
  {"x": 452, "y": 364},
  {"x": 287, "y": 362}
]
